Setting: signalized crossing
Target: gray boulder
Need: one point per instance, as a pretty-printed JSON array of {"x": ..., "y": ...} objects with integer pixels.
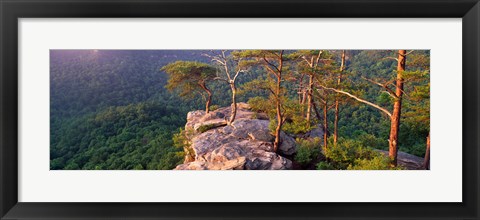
[
  {"x": 253, "y": 129},
  {"x": 408, "y": 161},
  {"x": 211, "y": 116},
  {"x": 193, "y": 118},
  {"x": 246, "y": 144},
  {"x": 288, "y": 145},
  {"x": 317, "y": 132},
  {"x": 243, "y": 105},
  {"x": 207, "y": 125}
]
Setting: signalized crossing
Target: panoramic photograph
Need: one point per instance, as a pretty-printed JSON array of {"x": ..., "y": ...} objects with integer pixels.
[{"x": 240, "y": 109}]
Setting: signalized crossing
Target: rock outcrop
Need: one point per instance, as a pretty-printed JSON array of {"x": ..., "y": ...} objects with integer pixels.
[
  {"x": 407, "y": 161},
  {"x": 316, "y": 132},
  {"x": 246, "y": 144}
]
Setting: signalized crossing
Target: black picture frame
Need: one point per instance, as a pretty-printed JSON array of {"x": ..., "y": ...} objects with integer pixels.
[{"x": 12, "y": 10}]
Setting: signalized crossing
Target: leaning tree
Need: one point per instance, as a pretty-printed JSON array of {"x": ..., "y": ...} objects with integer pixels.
[
  {"x": 310, "y": 59},
  {"x": 273, "y": 61},
  {"x": 190, "y": 78},
  {"x": 396, "y": 93}
]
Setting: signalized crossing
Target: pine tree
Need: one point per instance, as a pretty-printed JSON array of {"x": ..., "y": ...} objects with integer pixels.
[
  {"x": 397, "y": 95},
  {"x": 190, "y": 78},
  {"x": 273, "y": 61},
  {"x": 337, "y": 104}
]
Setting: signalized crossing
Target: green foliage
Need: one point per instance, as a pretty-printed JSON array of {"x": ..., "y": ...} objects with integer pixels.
[
  {"x": 188, "y": 77},
  {"x": 181, "y": 140},
  {"x": 170, "y": 161},
  {"x": 84, "y": 81},
  {"x": 416, "y": 149},
  {"x": 214, "y": 107},
  {"x": 294, "y": 122},
  {"x": 206, "y": 127},
  {"x": 323, "y": 165},
  {"x": 260, "y": 104},
  {"x": 112, "y": 110},
  {"x": 307, "y": 150},
  {"x": 126, "y": 137},
  {"x": 138, "y": 167},
  {"x": 272, "y": 125},
  {"x": 385, "y": 99},
  {"x": 297, "y": 125},
  {"x": 352, "y": 154},
  {"x": 372, "y": 141},
  {"x": 109, "y": 109},
  {"x": 415, "y": 122},
  {"x": 344, "y": 153},
  {"x": 377, "y": 162}
]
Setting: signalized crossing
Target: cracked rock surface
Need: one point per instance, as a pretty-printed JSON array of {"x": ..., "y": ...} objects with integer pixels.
[{"x": 246, "y": 144}]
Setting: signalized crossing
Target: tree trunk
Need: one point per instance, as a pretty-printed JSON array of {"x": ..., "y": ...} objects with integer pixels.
[
  {"x": 426, "y": 162},
  {"x": 301, "y": 96},
  {"x": 209, "y": 98},
  {"x": 316, "y": 110},
  {"x": 335, "y": 131},
  {"x": 278, "y": 91},
  {"x": 310, "y": 100},
  {"x": 277, "y": 143},
  {"x": 302, "y": 101},
  {"x": 325, "y": 125},
  {"x": 335, "y": 124},
  {"x": 397, "y": 108},
  {"x": 234, "y": 103},
  {"x": 304, "y": 96}
]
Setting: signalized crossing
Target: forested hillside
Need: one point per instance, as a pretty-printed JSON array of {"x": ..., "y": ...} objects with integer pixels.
[
  {"x": 109, "y": 109},
  {"x": 126, "y": 109}
]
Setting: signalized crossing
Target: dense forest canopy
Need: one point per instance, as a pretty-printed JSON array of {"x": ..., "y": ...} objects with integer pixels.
[{"x": 125, "y": 109}]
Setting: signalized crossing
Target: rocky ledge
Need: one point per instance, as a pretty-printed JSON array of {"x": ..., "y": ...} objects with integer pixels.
[
  {"x": 408, "y": 161},
  {"x": 246, "y": 144}
]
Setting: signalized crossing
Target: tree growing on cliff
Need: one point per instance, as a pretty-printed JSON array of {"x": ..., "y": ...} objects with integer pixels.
[
  {"x": 397, "y": 107},
  {"x": 310, "y": 60},
  {"x": 231, "y": 68},
  {"x": 324, "y": 75},
  {"x": 396, "y": 94},
  {"x": 337, "y": 104},
  {"x": 190, "y": 78},
  {"x": 273, "y": 61},
  {"x": 417, "y": 108}
]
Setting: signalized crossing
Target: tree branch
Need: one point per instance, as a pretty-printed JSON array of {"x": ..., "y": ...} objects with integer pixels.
[
  {"x": 214, "y": 58},
  {"x": 330, "y": 107},
  {"x": 268, "y": 89},
  {"x": 271, "y": 64},
  {"x": 271, "y": 71},
  {"x": 400, "y": 89},
  {"x": 391, "y": 58},
  {"x": 237, "y": 73},
  {"x": 306, "y": 60},
  {"x": 220, "y": 78},
  {"x": 318, "y": 57},
  {"x": 385, "y": 86},
  {"x": 360, "y": 100}
]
